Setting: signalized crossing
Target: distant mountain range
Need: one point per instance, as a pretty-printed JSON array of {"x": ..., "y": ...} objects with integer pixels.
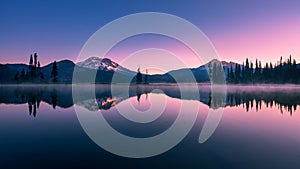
[{"x": 105, "y": 70}]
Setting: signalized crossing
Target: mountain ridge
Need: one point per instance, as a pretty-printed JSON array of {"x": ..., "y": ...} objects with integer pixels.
[{"x": 104, "y": 66}]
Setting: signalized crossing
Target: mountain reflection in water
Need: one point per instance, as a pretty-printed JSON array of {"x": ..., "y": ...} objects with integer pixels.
[{"x": 250, "y": 97}]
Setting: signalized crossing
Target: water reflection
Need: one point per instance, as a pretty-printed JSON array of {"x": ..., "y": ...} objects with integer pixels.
[
  {"x": 33, "y": 96},
  {"x": 282, "y": 98}
]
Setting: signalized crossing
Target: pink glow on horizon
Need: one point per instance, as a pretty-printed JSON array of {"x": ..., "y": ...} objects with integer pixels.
[
  {"x": 266, "y": 41},
  {"x": 158, "y": 57}
]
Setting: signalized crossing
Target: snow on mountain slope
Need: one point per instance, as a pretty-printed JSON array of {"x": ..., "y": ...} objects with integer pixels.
[{"x": 102, "y": 64}]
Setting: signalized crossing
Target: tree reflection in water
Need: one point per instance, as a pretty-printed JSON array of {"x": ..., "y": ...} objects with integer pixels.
[{"x": 284, "y": 99}]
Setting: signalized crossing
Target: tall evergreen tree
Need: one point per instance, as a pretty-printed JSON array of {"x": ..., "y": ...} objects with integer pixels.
[
  {"x": 251, "y": 72},
  {"x": 237, "y": 73},
  {"x": 31, "y": 60},
  {"x": 266, "y": 73},
  {"x": 54, "y": 72},
  {"x": 138, "y": 77},
  {"x": 35, "y": 60},
  {"x": 243, "y": 73}
]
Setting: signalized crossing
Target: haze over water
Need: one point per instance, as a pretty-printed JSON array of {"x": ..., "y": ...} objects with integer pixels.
[{"x": 258, "y": 129}]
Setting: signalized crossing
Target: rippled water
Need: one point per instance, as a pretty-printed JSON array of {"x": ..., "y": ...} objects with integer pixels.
[{"x": 259, "y": 127}]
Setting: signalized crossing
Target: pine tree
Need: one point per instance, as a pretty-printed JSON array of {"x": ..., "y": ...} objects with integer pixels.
[
  {"x": 237, "y": 73},
  {"x": 266, "y": 73},
  {"x": 54, "y": 72},
  {"x": 251, "y": 72},
  {"x": 256, "y": 72},
  {"x": 230, "y": 75},
  {"x": 31, "y": 60},
  {"x": 243, "y": 72},
  {"x": 35, "y": 60},
  {"x": 138, "y": 77}
]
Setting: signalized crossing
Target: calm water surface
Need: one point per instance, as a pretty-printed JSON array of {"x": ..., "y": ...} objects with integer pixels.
[{"x": 259, "y": 127}]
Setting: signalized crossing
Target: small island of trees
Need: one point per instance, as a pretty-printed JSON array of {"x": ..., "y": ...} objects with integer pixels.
[{"x": 34, "y": 73}]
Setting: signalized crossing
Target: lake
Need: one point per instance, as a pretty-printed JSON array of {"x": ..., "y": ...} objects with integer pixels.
[{"x": 55, "y": 126}]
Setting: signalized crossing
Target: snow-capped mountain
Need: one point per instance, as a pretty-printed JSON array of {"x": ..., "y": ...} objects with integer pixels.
[
  {"x": 99, "y": 63},
  {"x": 104, "y": 64}
]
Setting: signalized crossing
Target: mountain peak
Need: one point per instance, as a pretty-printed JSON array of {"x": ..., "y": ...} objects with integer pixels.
[{"x": 99, "y": 63}]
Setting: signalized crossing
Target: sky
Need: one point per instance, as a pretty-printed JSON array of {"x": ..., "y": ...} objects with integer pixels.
[{"x": 58, "y": 29}]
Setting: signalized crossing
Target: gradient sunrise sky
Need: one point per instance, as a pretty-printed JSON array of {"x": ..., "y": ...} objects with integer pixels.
[{"x": 237, "y": 28}]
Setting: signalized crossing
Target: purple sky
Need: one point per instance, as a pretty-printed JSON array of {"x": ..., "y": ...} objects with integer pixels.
[{"x": 238, "y": 29}]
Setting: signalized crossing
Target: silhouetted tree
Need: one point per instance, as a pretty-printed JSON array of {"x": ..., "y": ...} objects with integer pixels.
[
  {"x": 39, "y": 67},
  {"x": 266, "y": 73},
  {"x": 138, "y": 77},
  {"x": 35, "y": 60},
  {"x": 31, "y": 60},
  {"x": 282, "y": 72},
  {"x": 256, "y": 72},
  {"x": 251, "y": 72},
  {"x": 54, "y": 72}
]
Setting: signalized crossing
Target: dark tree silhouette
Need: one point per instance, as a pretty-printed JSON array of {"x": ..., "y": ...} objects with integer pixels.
[
  {"x": 237, "y": 73},
  {"x": 35, "y": 60},
  {"x": 138, "y": 77},
  {"x": 31, "y": 60},
  {"x": 257, "y": 71},
  {"x": 33, "y": 73},
  {"x": 39, "y": 66},
  {"x": 54, "y": 72},
  {"x": 282, "y": 72}
]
